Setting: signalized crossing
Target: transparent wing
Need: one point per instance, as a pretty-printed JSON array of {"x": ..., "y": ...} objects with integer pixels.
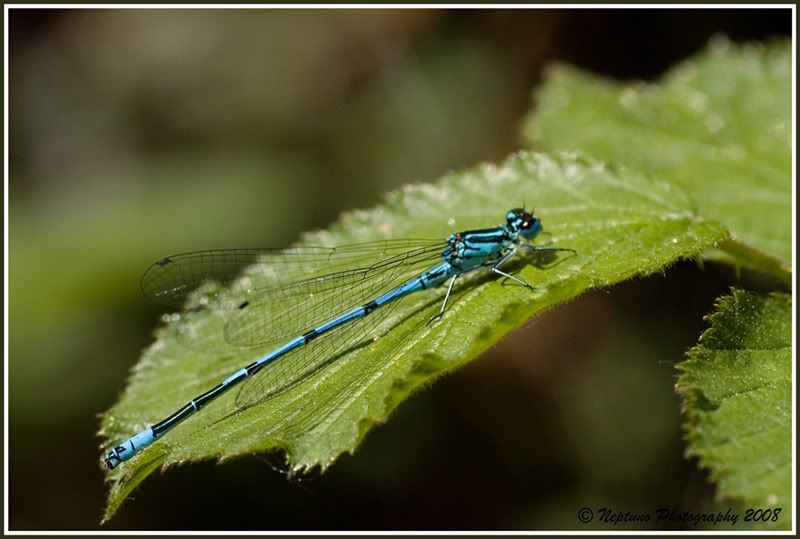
[
  {"x": 172, "y": 280},
  {"x": 283, "y": 311},
  {"x": 289, "y": 370},
  {"x": 283, "y": 293}
]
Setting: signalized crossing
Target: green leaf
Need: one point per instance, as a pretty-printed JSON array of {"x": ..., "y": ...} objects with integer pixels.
[
  {"x": 719, "y": 126},
  {"x": 737, "y": 391},
  {"x": 622, "y": 224}
]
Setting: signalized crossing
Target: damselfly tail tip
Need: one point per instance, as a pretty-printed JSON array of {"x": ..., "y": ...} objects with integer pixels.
[
  {"x": 111, "y": 460},
  {"x": 109, "y": 464}
]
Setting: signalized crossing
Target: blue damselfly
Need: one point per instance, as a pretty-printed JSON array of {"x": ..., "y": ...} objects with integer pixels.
[{"x": 315, "y": 301}]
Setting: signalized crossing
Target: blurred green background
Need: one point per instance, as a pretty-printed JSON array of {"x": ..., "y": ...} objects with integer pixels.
[{"x": 139, "y": 133}]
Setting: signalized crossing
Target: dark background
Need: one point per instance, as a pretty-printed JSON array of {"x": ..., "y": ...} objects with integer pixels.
[{"x": 138, "y": 133}]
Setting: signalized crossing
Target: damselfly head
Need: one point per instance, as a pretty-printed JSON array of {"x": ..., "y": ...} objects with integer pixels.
[{"x": 523, "y": 223}]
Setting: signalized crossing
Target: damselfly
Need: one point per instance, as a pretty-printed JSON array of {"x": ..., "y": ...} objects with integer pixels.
[{"x": 316, "y": 301}]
